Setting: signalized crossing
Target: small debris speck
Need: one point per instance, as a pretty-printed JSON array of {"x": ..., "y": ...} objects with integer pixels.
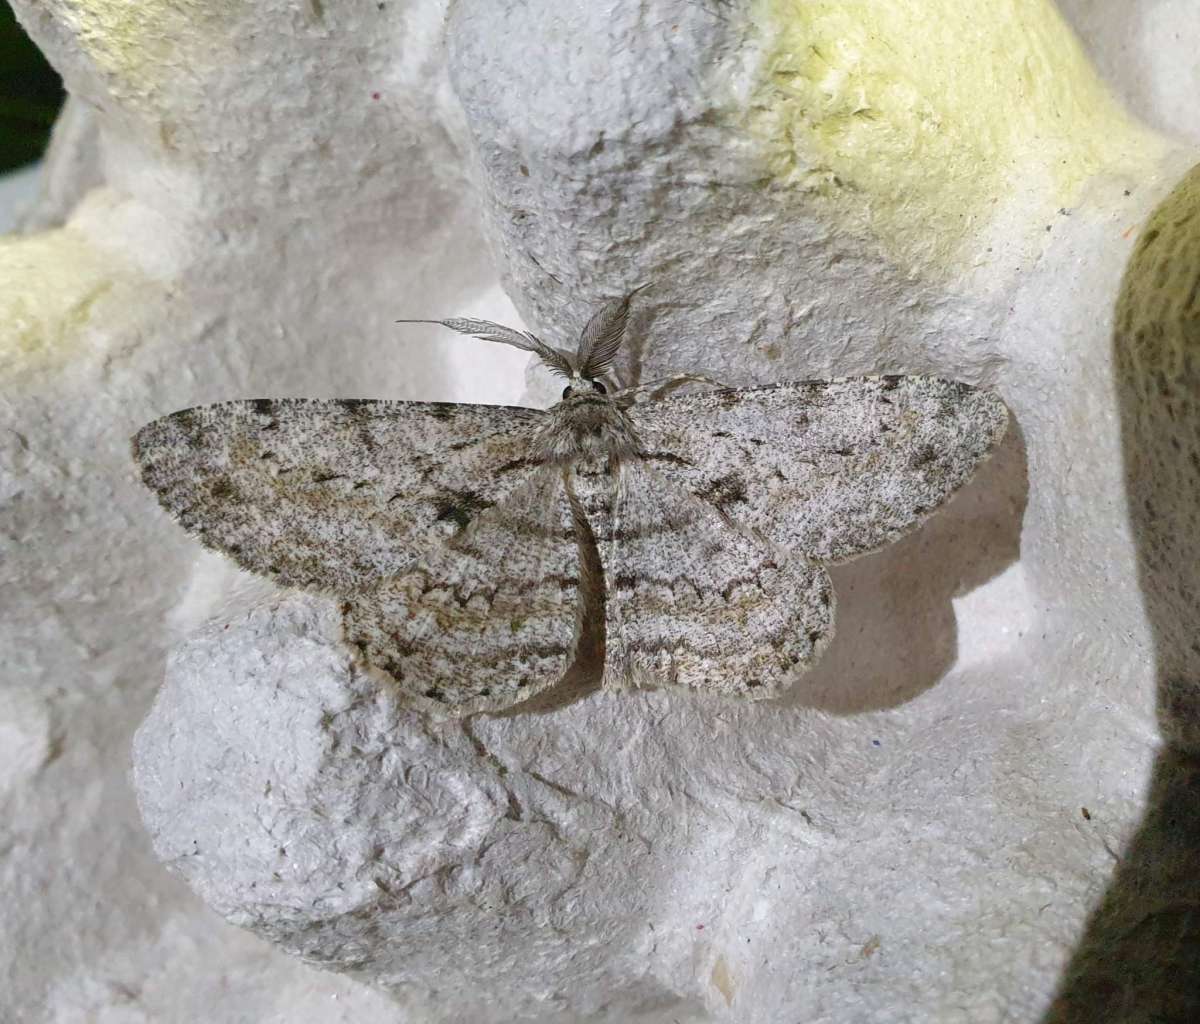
[{"x": 1087, "y": 815}]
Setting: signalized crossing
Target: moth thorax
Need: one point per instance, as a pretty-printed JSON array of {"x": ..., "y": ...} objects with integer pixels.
[{"x": 587, "y": 424}]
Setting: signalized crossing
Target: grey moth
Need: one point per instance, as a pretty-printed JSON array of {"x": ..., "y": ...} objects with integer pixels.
[{"x": 666, "y": 536}]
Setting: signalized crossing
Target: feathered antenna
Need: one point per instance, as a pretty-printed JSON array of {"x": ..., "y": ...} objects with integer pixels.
[
  {"x": 558, "y": 362},
  {"x": 601, "y": 338}
]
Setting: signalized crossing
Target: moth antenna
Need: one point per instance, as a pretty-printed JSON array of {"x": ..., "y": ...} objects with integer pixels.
[
  {"x": 602, "y": 337},
  {"x": 558, "y": 362}
]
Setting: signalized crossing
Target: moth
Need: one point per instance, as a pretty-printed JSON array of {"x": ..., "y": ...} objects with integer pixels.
[{"x": 673, "y": 536}]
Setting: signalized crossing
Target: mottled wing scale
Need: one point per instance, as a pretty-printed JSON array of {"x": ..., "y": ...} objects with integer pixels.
[
  {"x": 332, "y": 495},
  {"x": 825, "y": 469},
  {"x": 488, "y": 619},
  {"x": 692, "y": 601}
]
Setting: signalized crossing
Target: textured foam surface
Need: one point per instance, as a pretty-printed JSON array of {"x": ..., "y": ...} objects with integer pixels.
[{"x": 927, "y": 828}]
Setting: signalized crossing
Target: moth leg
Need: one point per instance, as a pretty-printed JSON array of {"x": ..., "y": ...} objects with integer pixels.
[
  {"x": 653, "y": 391},
  {"x": 612, "y": 380}
]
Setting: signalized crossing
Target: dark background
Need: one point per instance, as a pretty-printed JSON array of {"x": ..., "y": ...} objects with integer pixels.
[{"x": 30, "y": 95}]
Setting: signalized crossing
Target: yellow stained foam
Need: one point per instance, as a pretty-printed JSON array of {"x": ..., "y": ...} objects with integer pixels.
[
  {"x": 139, "y": 41},
  {"x": 121, "y": 37},
  {"x": 50, "y": 285},
  {"x": 919, "y": 116}
]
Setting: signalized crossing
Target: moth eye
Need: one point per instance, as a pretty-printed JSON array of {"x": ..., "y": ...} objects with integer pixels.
[
  {"x": 600, "y": 387},
  {"x": 567, "y": 391}
]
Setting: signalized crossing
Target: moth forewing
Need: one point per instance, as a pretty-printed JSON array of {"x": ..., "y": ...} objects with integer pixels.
[
  {"x": 827, "y": 470},
  {"x": 332, "y": 495}
]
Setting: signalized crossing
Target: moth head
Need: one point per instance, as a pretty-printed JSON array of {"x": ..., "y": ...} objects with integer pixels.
[
  {"x": 583, "y": 386},
  {"x": 593, "y": 358}
]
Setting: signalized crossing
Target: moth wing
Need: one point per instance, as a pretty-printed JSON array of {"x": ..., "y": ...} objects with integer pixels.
[
  {"x": 827, "y": 469},
  {"x": 692, "y": 601},
  {"x": 332, "y": 495},
  {"x": 487, "y": 619}
]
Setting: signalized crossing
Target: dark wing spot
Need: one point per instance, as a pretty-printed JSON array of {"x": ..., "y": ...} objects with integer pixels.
[
  {"x": 441, "y": 410},
  {"x": 725, "y": 490},
  {"x": 922, "y": 457},
  {"x": 728, "y": 398},
  {"x": 459, "y": 507},
  {"x": 668, "y": 457},
  {"x": 263, "y": 406},
  {"x": 891, "y": 381},
  {"x": 522, "y": 463}
]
